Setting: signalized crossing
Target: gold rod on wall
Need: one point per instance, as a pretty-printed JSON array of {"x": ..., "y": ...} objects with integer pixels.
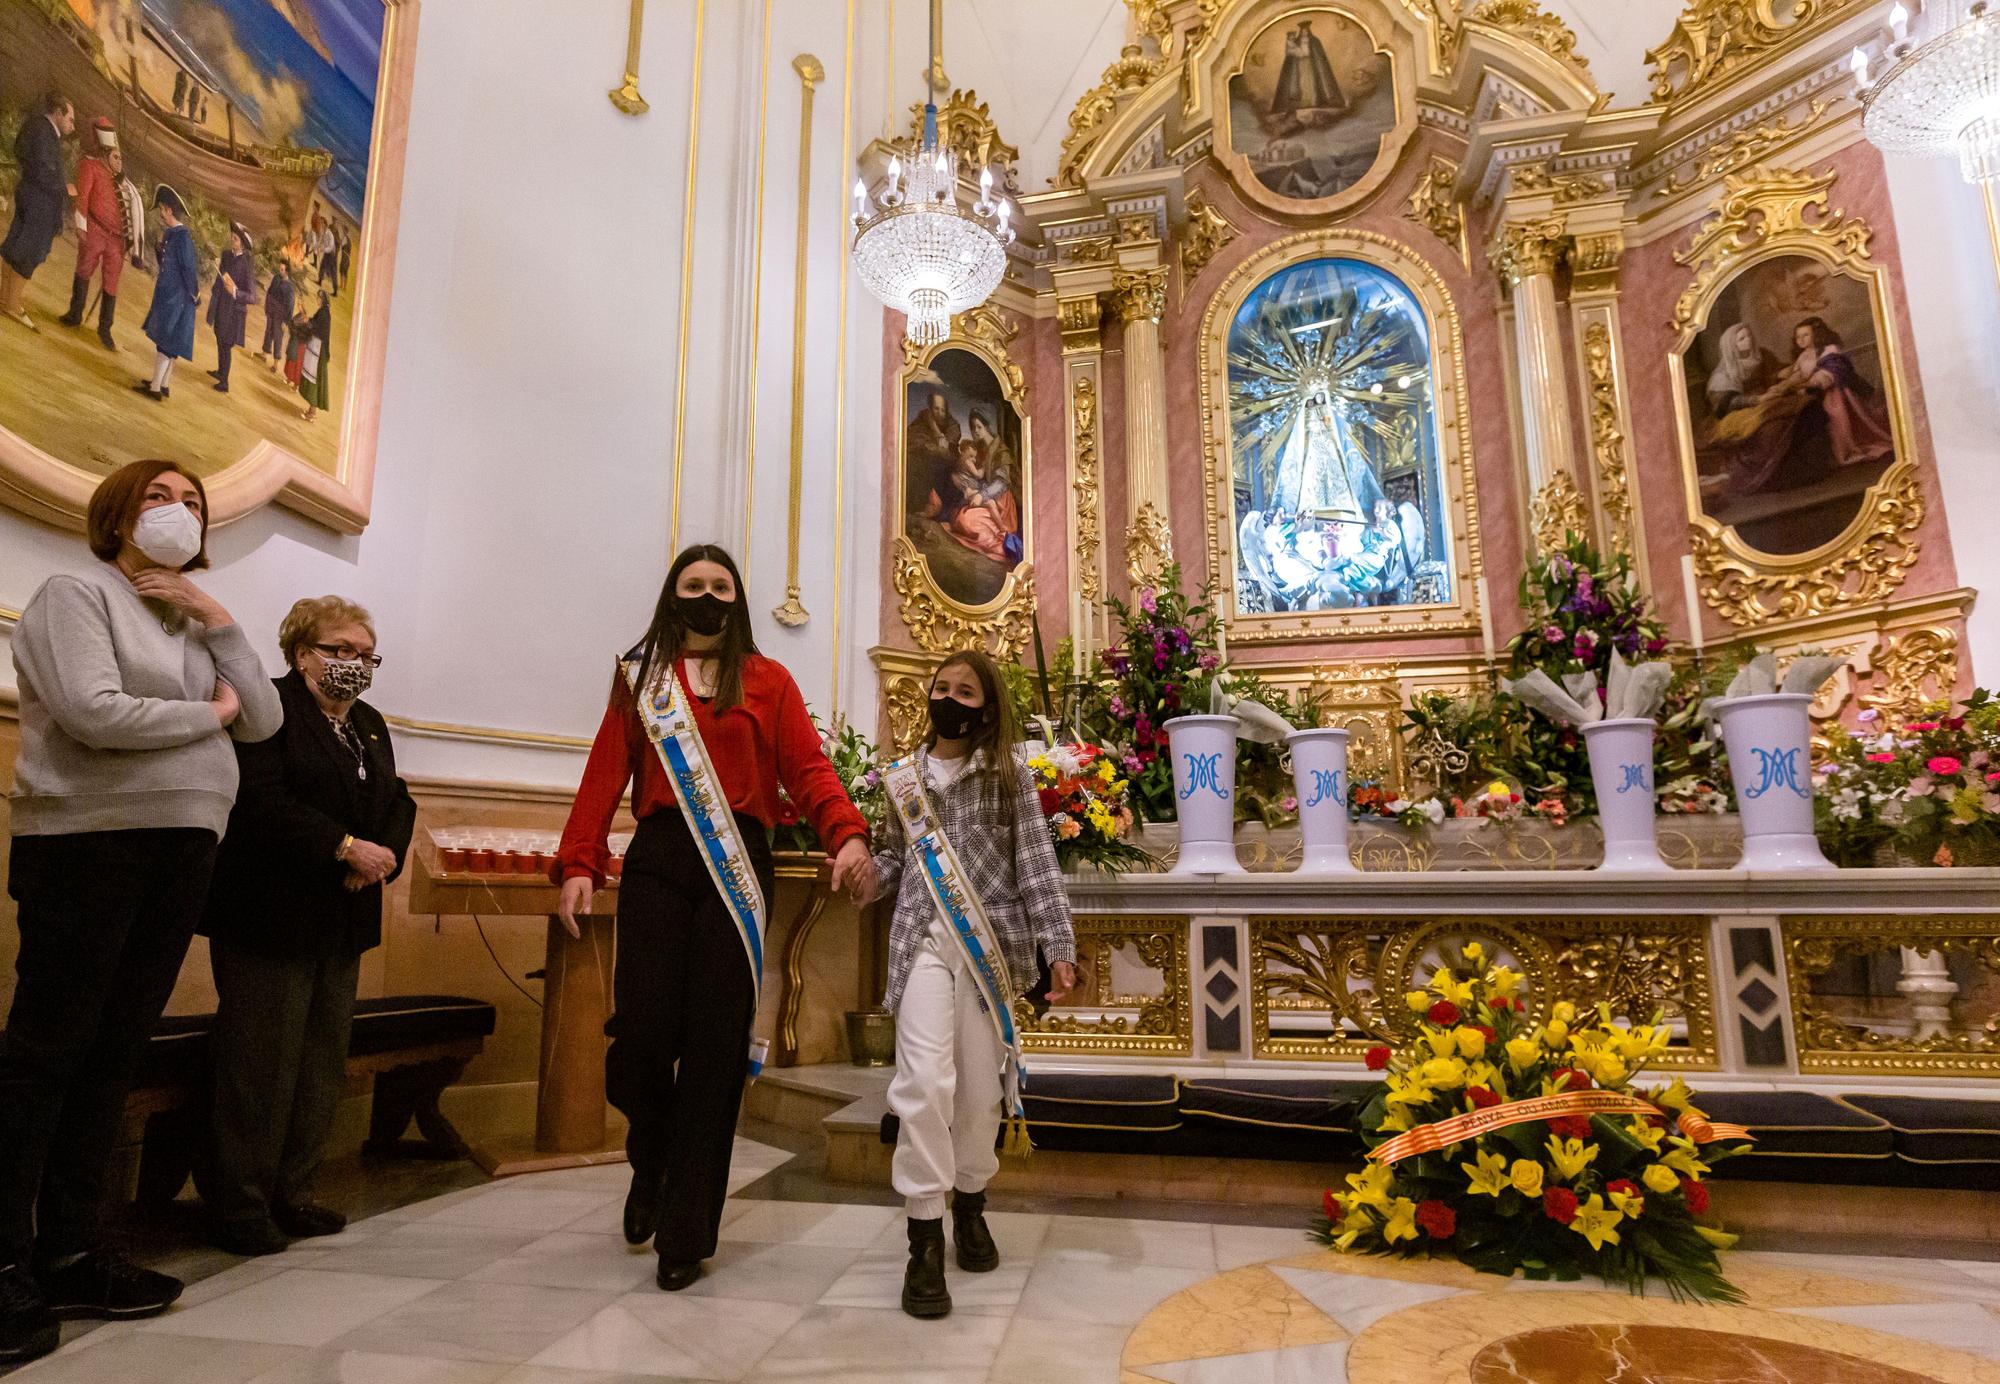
[
  {"x": 756, "y": 284},
  {"x": 1988, "y": 194},
  {"x": 840, "y": 348},
  {"x": 687, "y": 275},
  {"x": 627, "y": 97},
  {"x": 791, "y": 613}
]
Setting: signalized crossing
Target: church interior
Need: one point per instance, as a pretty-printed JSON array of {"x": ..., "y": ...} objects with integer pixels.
[{"x": 1324, "y": 658}]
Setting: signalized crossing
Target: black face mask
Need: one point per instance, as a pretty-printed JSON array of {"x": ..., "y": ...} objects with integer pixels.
[
  {"x": 953, "y": 719},
  {"x": 704, "y": 614}
]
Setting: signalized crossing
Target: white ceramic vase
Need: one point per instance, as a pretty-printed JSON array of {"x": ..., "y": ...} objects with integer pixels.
[
  {"x": 1770, "y": 766},
  {"x": 1319, "y": 778},
  {"x": 1203, "y": 750},
  {"x": 1621, "y": 769}
]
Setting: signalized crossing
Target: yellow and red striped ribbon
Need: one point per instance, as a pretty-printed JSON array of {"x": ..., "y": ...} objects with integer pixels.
[{"x": 1473, "y": 1123}]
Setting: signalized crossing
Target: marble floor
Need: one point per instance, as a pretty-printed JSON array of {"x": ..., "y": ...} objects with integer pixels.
[{"x": 528, "y": 1281}]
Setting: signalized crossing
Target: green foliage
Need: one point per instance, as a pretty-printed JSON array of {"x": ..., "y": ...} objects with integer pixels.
[{"x": 855, "y": 758}]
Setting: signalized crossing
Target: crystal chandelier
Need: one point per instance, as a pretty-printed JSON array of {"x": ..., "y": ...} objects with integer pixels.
[
  {"x": 917, "y": 248},
  {"x": 1941, "y": 91}
]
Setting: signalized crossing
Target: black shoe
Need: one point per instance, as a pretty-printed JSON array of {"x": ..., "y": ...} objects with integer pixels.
[
  {"x": 674, "y": 1277},
  {"x": 924, "y": 1293},
  {"x": 249, "y": 1238},
  {"x": 105, "y": 1286},
  {"x": 976, "y": 1251},
  {"x": 308, "y": 1219},
  {"x": 79, "y": 295},
  {"x": 642, "y": 1210},
  {"x": 28, "y": 1329}
]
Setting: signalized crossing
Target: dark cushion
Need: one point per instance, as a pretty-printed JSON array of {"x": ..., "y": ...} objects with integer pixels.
[
  {"x": 1327, "y": 1107},
  {"x": 414, "y": 1021},
  {"x": 1110, "y": 1113},
  {"x": 1803, "y": 1137},
  {"x": 1938, "y": 1129}
]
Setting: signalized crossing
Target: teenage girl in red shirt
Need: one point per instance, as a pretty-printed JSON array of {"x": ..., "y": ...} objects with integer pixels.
[{"x": 682, "y": 989}]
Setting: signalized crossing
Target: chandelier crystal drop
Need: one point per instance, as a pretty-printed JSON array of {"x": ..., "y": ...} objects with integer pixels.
[
  {"x": 918, "y": 248},
  {"x": 1940, "y": 93}
]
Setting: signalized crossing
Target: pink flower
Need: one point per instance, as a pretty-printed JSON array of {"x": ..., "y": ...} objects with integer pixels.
[
  {"x": 1921, "y": 725},
  {"x": 1553, "y": 634},
  {"x": 1881, "y": 759},
  {"x": 1993, "y": 777},
  {"x": 1868, "y": 716},
  {"x": 1147, "y": 603},
  {"x": 1209, "y": 662},
  {"x": 1944, "y": 766}
]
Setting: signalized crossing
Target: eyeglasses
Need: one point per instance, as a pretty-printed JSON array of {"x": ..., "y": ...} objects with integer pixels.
[{"x": 347, "y": 653}]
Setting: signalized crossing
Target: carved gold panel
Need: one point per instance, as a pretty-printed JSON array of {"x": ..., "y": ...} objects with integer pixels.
[
  {"x": 1133, "y": 998},
  {"x": 1877, "y": 1034},
  {"x": 1774, "y": 242},
  {"x": 1714, "y": 38}
]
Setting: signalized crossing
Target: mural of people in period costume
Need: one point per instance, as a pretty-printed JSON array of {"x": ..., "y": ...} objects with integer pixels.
[
  {"x": 102, "y": 215},
  {"x": 962, "y": 477},
  {"x": 1311, "y": 106},
  {"x": 176, "y": 291},
  {"x": 40, "y": 193}
]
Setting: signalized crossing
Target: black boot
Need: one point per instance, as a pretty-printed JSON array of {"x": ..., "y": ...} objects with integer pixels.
[
  {"x": 976, "y": 1251},
  {"x": 642, "y": 1207},
  {"x": 107, "y": 312},
  {"x": 79, "y": 295},
  {"x": 924, "y": 1293}
]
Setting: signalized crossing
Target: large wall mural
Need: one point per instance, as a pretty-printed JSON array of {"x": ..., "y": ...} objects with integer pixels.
[{"x": 1311, "y": 106}]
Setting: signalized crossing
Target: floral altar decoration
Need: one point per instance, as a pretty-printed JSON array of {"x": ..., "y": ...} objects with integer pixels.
[
  {"x": 1920, "y": 792},
  {"x": 1524, "y": 1147},
  {"x": 857, "y": 760},
  {"x": 1083, "y": 792}
]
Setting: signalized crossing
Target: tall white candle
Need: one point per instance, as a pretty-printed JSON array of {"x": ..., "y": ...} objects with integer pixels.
[
  {"x": 1485, "y": 619},
  {"x": 1221, "y": 632},
  {"x": 1693, "y": 599},
  {"x": 1076, "y": 636}
]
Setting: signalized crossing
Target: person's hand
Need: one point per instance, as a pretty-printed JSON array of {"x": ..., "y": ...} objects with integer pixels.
[
  {"x": 372, "y": 862},
  {"x": 854, "y": 871},
  {"x": 576, "y": 900},
  {"x": 229, "y": 285},
  {"x": 355, "y": 881},
  {"x": 1062, "y": 980},
  {"x": 226, "y": 704},
  {"x": 174, "y": 589}
]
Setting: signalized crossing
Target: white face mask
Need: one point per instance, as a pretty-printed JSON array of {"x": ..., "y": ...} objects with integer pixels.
[{"x": 168, "y": 534}]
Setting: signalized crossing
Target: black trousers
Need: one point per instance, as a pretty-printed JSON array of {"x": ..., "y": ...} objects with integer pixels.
[
  {"x": 105, "y": 919},
  {"x": 680, "y": 1033},
  {"x": 222, "y": 363}
]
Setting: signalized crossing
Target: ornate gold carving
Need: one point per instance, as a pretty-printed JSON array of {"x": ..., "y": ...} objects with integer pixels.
[
  {"x": 1139, "y": 295},
  {"x": 1431, "y": 203},
  {"x": 1088, "y": 485},
  {"x": 1557, "y": 512},
  {"x": 1149, "y": 545},
  {"x": 1913, "y": 670},
  {"x": 1528, "y": 249},
  {"x": 1594, "y": 260},
  {"x": 1091, "y": 116},
  {"x": 1367, "y": 703},
  {"x": 1846, "y": 1043},
  {"x": 1746, "y": 147},
  {"x": 906, "y": 698},
  {"x": 1749, "y": 594},
  {"x": 1078, "y": 319},
  {"x": 1527, "y": 19},
  {"x": 965, "y": 127},
  {"x": 1569, "y": 188},
  {"x": 1163, "y": 1024},
  {"x": 1607, "y": 439},
  {"x": 1137, "y": 229},
  {"x": 939, "y": 625},
  {"x": 1150, "y": 20},
  {"x": 1713, "y": 38},
  {"x": 1087, "y": 250},
  {"x": 1757, "y": 209},
  {"x": 1208, "y": 230}
]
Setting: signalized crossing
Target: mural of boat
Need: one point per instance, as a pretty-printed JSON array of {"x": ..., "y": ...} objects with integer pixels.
[{"x": 271, "y": 190}]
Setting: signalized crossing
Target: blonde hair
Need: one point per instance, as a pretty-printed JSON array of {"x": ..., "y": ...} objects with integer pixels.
[{"x": 308, "y": 617}]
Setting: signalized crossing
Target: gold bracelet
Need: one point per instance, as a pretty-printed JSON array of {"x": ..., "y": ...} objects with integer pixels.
[{"x": 340, "y": 855}]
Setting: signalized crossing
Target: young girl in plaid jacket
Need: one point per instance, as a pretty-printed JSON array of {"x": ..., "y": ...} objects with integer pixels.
[{"x": 948, "y": 1090}]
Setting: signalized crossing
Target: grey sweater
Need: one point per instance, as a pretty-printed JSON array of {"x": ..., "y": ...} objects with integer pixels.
[{"x": 116, "y": 728}]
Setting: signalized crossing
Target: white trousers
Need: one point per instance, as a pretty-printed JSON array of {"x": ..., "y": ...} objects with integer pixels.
[{"x": 947, "y": 1093}]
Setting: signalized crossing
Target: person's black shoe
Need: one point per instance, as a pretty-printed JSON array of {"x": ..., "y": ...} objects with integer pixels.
[
  {"x": 642, "y": 1209},
  {"x": 924, "y": 1293},
  {"x": 674, "y": 1277},
  {"x": 28, "y": 1329},
  {"x": 102, "y": 1285},
  {"x": 249, "y": 1238},
  {"x": 307, "y": 1219},
  {"x": 976, "y": 1251}
]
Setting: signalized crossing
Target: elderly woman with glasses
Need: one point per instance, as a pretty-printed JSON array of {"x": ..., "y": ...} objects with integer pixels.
[{"x": 321, "y": 823}]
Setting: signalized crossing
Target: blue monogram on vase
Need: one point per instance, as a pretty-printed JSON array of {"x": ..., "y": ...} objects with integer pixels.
[
  {"x": 1203, "y": 771},
  {"x": 1636, "y": 776},
  {"x": 1778, "y": 769},
  {"x": 1326, "y": 787}
]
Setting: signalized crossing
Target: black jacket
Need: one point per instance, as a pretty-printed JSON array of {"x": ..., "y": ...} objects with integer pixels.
[{"x": 278, "y": 890}]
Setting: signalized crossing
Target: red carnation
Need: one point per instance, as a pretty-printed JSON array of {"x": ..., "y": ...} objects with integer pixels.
[
  {"x": 1559, "y": 1205},
  {"x": 1697, "y": 1196},
  {"x": 1571, "y": 1126},
  {"x": 1481, "y": 1097},
  {"x": 1625, "y": 1185},
  {"x": 1444, "y": 1014},
  {"x": 1376, "y": 1057},
  {"x": 1439, "y": 1221},
  {"x": 1051, "y": 802},
  {"x": 1330, "y": 1204},
  {"x": 1490, "y": 1035},
  {"x": 1572, "y": 1079}
]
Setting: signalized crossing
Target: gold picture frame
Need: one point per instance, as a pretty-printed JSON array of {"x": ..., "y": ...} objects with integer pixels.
[
  {"x": 1452, "y": 425},
  {"x": 940, "y": 614},
  {"x": 1762, "y": 218}
]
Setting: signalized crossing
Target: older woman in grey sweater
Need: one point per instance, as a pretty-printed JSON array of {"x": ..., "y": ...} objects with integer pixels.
[{"x": 132, "y": 683}]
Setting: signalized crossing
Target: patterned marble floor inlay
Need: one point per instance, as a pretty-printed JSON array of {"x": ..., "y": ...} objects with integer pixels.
[{"x": 528, "y": 1281}]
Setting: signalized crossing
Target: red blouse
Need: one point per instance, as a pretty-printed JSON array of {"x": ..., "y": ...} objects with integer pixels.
[{"x": 765, "y": 740}]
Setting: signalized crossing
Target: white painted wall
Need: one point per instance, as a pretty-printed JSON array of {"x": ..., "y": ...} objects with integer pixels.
[{"x": 521, "y": 517}]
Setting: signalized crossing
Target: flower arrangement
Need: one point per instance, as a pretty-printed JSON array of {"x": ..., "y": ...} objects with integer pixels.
[
  {"x": 1927, "y": 789},
  {"x": 1524, "y": 1147},
  {"x": 1161, "y": 667},
  {"x": 1084, "y": 797},
  {"x": 854, "y": 757}
]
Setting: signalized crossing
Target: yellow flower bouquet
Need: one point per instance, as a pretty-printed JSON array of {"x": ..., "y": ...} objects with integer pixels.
[{"x": 1524, "y": 1147}]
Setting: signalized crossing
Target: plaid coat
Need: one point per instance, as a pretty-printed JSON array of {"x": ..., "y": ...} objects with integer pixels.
[{"x": 1015, "y": 875}]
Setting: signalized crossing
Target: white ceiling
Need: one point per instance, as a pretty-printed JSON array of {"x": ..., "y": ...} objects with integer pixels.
[{"x": 1032, "y": 59}]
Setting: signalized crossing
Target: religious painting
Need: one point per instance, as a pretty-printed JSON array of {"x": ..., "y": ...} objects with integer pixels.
[
  {"x": 1789, "y": 404},
  {"x": 964, "y": 477},
  {"x": 1337, "y": 491},
  {"x": 1312, "y": 110},
  {"x": 200, "y": 222}
]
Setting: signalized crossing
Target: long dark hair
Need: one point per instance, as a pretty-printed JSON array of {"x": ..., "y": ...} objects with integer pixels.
[
  {"x": 998, "y": 734},
  {"x": 666, "y": 636}
]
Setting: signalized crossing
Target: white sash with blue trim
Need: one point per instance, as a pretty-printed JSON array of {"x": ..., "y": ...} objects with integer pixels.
[
  {"x": 669, "y": 723},
  {"x": 965, "y": 919}
]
